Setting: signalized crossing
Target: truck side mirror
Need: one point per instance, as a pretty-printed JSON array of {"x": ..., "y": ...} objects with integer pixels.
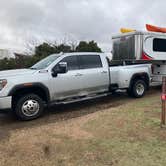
[{"x": 61, "y": 68}]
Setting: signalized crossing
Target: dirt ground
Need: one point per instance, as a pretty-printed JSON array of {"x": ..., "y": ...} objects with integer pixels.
[{"x": 69, "y": 134}]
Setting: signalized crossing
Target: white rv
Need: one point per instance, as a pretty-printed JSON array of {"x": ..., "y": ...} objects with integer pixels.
[{"x": 142, "y": 47}]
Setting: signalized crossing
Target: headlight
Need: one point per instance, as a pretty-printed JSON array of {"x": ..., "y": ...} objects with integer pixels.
[{"x": 2, "y": 84}]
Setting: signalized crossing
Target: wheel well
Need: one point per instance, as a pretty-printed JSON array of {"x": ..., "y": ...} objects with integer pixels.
[
  {"x": 142, "y": 76},
  {"x": 35, "y": 90}
]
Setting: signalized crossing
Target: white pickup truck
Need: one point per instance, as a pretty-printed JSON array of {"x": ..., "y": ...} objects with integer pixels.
[{"x": 65, "y": 78}]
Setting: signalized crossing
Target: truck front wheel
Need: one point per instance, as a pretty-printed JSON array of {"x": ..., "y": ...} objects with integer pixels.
[
  {"x": 138, "y": 89},
  {"x": 29, "y": 107}
]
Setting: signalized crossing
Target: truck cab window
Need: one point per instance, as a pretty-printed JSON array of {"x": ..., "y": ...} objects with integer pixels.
[
  {"x": 90, "y": 61},
  {"x": 72, "y": 63}
]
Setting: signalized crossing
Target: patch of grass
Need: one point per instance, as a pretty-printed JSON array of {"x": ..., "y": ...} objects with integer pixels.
[
  {"x": 126, "y": 135},
  {"x": 131, "y": 133}
]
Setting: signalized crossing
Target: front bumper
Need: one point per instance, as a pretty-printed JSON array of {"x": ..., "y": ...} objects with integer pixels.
[{"x": 5, "y": 102}]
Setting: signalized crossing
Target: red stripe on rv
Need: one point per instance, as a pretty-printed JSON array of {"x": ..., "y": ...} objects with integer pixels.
[{"x": 146, "y": 57}]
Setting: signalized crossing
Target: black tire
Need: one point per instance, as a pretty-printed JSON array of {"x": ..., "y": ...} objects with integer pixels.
[
  {"x": 33, "y": 107},
  {"x": 138, "y": 89}
]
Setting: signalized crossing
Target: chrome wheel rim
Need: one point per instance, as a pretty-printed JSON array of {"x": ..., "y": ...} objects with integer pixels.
[
  {"x": 30, "y": 108},
  {"x": 140, "y": 89}
]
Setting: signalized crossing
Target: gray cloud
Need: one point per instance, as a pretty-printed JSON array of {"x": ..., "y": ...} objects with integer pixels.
[{"x": 21, "y": 20}]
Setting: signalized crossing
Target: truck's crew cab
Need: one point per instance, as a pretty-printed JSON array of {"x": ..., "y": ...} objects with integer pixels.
[{"x": 65, "y": 78}]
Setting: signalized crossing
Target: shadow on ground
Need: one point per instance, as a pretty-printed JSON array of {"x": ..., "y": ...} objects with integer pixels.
[{"x": 66, "y": 112}]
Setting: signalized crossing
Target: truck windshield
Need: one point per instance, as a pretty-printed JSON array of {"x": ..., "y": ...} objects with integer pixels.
[{"x": 45, "y": 62}]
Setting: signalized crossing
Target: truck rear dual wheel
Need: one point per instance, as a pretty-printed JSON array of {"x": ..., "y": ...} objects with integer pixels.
[
  {"x": 137, "y": 89},
  {"x": 29, "y": 107}
]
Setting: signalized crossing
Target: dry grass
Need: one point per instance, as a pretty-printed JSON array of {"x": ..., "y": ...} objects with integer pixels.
[{"x": 119, "y": 131}]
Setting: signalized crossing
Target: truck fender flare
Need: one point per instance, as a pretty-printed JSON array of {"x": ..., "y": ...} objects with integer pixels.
[
  {"x": 30, "y": 85},
  {"x": 143, "y": 76}
]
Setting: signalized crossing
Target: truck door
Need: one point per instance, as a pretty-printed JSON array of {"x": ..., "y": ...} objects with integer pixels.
[
  {"x": 68, "y": 84},
  {"x": 94, "y": 74}
]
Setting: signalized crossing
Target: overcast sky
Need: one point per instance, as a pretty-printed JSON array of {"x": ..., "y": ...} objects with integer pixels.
[{"x": 23, "y": 21}]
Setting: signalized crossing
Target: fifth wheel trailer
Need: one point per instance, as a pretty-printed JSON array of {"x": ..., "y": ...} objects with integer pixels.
[{"x": 142, "y": 47}]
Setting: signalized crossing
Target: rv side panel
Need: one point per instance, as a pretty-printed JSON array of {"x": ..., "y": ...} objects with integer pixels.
[{"x": 124, "y": 48}]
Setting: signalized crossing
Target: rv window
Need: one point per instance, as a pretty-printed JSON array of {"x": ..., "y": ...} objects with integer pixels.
[{"x": 159, "y": 45}]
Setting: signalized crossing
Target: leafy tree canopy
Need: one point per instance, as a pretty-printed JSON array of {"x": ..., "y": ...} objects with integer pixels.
[
  {"x": 91, "y": 46},
  {"x": 46, "y": 49}
]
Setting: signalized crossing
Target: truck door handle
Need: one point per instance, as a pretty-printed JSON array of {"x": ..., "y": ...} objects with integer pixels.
[
  {"x": 78, "y": 74},
  {"x": 104, "y": 72}
]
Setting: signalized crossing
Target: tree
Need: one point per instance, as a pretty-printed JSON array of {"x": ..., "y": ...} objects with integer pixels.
[
  {"x": 44, "y": 50},
  {"x": 6, "y": 64},
  {"x": 91, "y": 46},
  {"x": 63, "y": 48}
]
